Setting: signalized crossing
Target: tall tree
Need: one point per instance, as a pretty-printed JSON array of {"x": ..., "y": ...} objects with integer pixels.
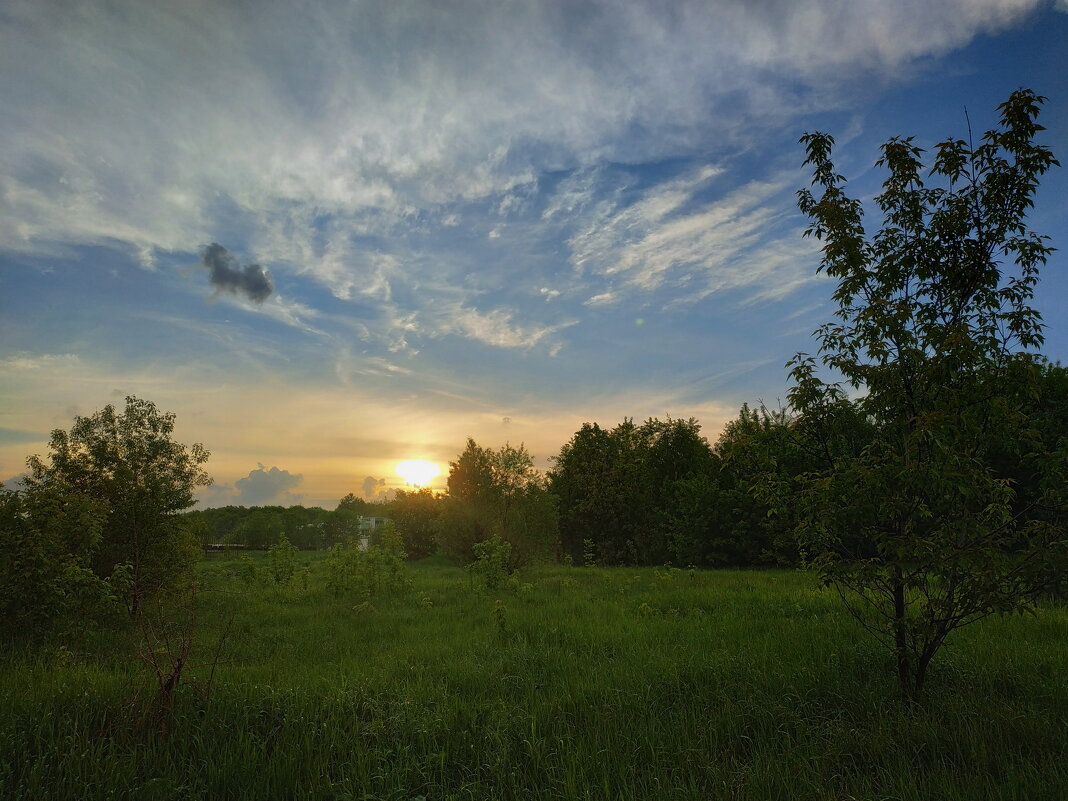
[
  {"x": 128, "y": 462},
  {"x": 415, "y": 513},
  {"x": 597, "y": 478},
  {"x": 497, "y": 492},
  {"x": 715, "y": 519},
  {"x": 616, "y": 487},
  {"x": 935, "y": 326}
]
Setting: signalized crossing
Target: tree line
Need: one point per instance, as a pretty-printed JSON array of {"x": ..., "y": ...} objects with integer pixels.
[{"x": 653, "y": 493}]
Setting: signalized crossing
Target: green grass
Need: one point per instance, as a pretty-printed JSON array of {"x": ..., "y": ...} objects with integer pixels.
[{"x": 586, "y": 684}]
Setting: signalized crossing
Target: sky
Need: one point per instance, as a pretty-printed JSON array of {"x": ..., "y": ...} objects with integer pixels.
[{"x": 333, "y": 236}]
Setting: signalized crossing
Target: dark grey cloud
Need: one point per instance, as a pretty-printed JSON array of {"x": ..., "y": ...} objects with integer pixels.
[
  {"x": 253, "y": 280},
  {"x": 265, "y": 486}
]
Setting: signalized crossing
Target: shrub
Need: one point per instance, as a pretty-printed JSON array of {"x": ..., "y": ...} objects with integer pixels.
[
  {"x": 371, "y": 571},
  {"x": 282, "y": 560},
  {"x": 47, "y": 540},
  {"x": 491, "y": 561}
]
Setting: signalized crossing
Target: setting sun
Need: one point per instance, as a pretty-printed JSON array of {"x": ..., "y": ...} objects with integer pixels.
[{"x": 417, "y": 472}]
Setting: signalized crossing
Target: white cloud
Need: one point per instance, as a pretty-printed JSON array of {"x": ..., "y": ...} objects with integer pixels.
[
  {"x": 602, "y": 299},
  {"x": 141, "y": 122},
  {"x": 672, "y": 241},
  {"x": 496, "y": 327},
  {"x": 268, "y": 486},
  {"x": 42, "y": 361},
  {"x": 347, "y": 366}
]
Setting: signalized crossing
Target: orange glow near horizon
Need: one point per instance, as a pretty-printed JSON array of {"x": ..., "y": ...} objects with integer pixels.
[{"x": 418, "y": 472}]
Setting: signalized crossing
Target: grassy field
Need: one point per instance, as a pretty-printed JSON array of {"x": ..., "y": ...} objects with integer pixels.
[{"x": 565, "y": 684}]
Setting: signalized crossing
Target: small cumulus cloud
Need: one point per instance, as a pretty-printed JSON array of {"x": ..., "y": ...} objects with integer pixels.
[
  {"x": 268, "y": 485},
  {"x": 371, "y": 488},
  {"x": 252, "y": 281},
  {"x": 215, "y": 495}
]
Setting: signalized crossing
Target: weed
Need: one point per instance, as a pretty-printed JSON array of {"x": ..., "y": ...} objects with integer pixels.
[
  {"x": 589, "y": 553},
  {"x": 500, "y": 618}
]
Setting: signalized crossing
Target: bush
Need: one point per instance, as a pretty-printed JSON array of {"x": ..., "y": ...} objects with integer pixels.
[
  {"x": 47, "y": 541},
  {"x": 282, "y": 560},
  {"x": 491, "y": 561},
  {"x": 368, "y": 572}
]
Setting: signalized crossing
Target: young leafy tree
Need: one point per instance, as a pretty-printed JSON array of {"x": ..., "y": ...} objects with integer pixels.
[
  {"x": 129, "y": 464},
  {"x": 917, "y": 530}
]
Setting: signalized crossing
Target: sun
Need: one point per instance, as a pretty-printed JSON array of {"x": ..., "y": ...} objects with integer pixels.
[{"x": 417, "y": 472}]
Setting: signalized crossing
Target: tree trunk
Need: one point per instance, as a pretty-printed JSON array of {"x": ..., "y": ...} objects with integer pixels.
[{"x": 904, "y": 672}]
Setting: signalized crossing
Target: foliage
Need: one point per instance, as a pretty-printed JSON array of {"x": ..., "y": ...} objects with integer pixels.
[
  {"x": 367, "y": 572},
  {"x": 459, "y": 527},
  {"x": 281, "y": 560},
  {"x": 415, "y": 513},
  {"x": 261, "y": 526},
  {"x": 492, "y": 558},
  {"x": 340, "y": 525},
  {"x": 615, "y": 486},
  {"x": 129, "y": 464},
  {"x": 250, "y": 572},
  {"x": 589, "y": 553},
  {"x": 497, "y": 493},
  {"x": 47, "y": 542},
  {"x": 358, "y": 506},
  {"x": 917, "y": 529},
  {"x": 260, "y": 529}
]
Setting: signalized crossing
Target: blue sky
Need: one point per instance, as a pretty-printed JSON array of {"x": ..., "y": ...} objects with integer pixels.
[{"x": 441, "y": 220}]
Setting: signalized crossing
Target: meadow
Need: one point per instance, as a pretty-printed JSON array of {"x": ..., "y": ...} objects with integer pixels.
[{"x": 563, "y": 683}]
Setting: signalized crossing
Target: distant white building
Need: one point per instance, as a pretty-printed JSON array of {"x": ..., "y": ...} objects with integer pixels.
[{"x": 368, "y": 525}]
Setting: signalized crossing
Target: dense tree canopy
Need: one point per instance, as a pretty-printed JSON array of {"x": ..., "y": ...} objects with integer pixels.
[
  {"x": 615, "y": 487},
  {"x": 415, "y": 513},
  {"x": 497, "y": 493},
  {"x": 48, "y": 537}
]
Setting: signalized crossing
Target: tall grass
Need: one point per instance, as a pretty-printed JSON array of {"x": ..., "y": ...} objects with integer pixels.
[{"x": 565, "y": 683}]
